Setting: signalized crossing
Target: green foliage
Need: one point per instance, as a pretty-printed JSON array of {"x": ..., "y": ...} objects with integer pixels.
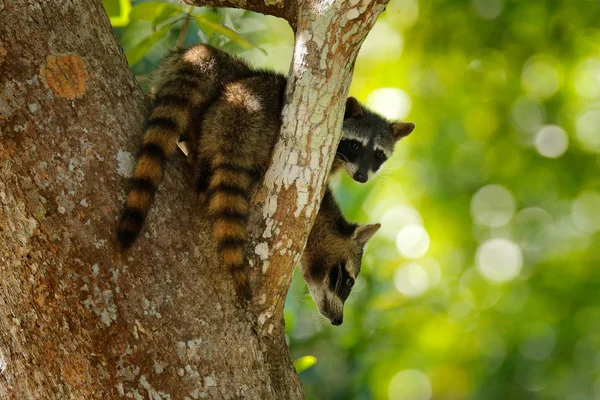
[
  {"x": 304, "y": 363},
  {"x": 210, "y": 28},
  {"x": 149, "y": 29},
  {"x": 118, "y": 11},
  {"x": 483, "y": 282},
  {"x": 137, "y": 52}
]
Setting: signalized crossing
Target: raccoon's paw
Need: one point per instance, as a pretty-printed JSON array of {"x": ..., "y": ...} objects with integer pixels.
[{"x": 242, "y": 283}]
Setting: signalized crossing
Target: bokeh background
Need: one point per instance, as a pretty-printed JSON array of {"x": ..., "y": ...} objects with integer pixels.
[{"x": 484, "y": 281}]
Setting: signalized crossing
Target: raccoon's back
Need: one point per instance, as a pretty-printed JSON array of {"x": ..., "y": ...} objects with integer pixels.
[
  {"x": 245, "y": 120},
  {"x": 213, "y": 66}
]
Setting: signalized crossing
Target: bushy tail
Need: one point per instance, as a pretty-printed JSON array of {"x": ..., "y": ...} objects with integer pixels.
[
  {"x": 178, "y": 94},
  {"x": 229, "y": 190},
  {"x": 167, "y": 122}
]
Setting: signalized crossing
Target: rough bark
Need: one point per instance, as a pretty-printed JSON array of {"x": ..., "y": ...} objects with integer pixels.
[{"x": 77, "y": 318}]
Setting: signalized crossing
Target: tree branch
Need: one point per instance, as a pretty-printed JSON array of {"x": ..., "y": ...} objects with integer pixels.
[
  {"x": 285, "y": 9},
  {"x": 327, "y": 42}
]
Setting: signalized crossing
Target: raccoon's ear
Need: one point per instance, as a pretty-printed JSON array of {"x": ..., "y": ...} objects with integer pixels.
[
  {"x": 363, "y": 233},
  {"x": 353, "y": 108},
  {"x": 402, "y": 129}
]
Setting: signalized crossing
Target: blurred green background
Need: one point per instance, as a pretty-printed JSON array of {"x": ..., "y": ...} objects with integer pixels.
[{"x": 484, "y": 281}]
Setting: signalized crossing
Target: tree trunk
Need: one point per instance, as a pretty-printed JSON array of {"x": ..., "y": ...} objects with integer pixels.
[{"x": 80, "y": 320}]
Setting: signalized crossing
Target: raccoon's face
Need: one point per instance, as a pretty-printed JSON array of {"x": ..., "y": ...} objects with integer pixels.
[
  {"x": 331, "y": 271},
  {"x": 367, "y": 141}
]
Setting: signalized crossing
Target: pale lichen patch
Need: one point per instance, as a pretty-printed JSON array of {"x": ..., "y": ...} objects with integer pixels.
[
  {"x": 153, "y": 394},
  {"x": 3, "y": 365},
  {"x": 159, "y": 367},
  {"x": 33, "y": 107},
  {"x": 128, "y": 373},
  {"x": 102, "y": 304},
  {"x": 181, "y": 350},
  {"x": 262, "y": 250},
  {"x": 209, "y": 381},
  {"x": 352, "y": 14},
  {"x": 262, "y": 318},
  {"x": 109, "y": 313},
  {"x": 150, "y": 308},
  {"x": 301, "y": 202},
  {"x": 65, "y": 205},
  {"x": 193, "y": 349},
  {"x": 191, "y": 371},
  {"x": 125, "y": 163},
  {"x": 265, "y": 266},
  {"x": 262, "y": 299}
]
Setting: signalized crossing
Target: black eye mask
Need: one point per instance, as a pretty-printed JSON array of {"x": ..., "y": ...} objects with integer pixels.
[
  {"x": 349, "y": 150},
  {"x": 340, "y": 281},
  {"x": 379, "y": 158}
]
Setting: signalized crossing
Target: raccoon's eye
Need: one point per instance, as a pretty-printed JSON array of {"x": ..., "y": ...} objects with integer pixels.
[
  {"x": 349, "y": 282},
  {"x": 380, "y": 155},
  {"x": 334, "y": 277},
  {"x": 353, "y": 146}
]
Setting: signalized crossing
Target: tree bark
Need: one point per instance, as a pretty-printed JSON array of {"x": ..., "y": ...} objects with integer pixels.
[{"x": 80, "y": 320}]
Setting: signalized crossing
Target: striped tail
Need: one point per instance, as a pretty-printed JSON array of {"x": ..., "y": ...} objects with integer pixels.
[
  {"x": 229, "y": 191},
  {"x": 168, "y": 121}
]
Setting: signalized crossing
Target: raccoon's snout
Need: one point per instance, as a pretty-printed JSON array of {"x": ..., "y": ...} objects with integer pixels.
[
  {"x": 360, "y": 177},
  {"x": 334, "y": 312}
]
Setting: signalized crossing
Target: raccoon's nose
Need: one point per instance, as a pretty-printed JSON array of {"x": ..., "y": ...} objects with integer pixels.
[
  {"x": 360, "y": 177},
  {"x": 337, "y": 321}
]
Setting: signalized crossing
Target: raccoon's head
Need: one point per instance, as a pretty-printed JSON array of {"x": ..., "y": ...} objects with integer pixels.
[
  {"x": 330, "y": 266},
  {"x": 368, "y": 140}
]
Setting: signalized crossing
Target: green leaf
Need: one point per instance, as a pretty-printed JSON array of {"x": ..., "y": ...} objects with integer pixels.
[
  {"x": 118, "y": 11},
  {"x": 304, "y": 363},
  {"x": 209, "y": 27},
  {"x": 155, "y": 11},
  {"x": 166, "y": 14},
  {"x": 139, "y": 50}
]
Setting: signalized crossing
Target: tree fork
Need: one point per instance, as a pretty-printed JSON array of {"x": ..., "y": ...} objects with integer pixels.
[{"x": 80, "y": 320}]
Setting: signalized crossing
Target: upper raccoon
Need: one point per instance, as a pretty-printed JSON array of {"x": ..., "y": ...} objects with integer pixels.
[
  {"x": 238, "y": 129},
  {"x": 187, "y": 82},
  {"x": 367, "y": 141}
]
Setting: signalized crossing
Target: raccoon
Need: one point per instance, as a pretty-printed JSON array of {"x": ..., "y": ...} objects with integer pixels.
[
  {"x": 367, "y": 141},
  {"x": 332, "y": 259}
]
